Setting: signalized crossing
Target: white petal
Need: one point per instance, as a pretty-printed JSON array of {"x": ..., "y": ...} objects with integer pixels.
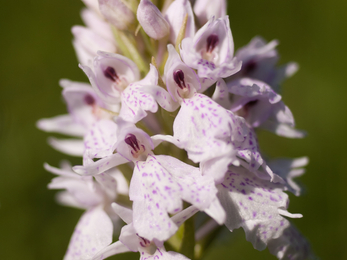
[
  {"x": 74, "y": 147},
  {"x": 63, "y": 124},
  {"x": 101, "y": 165},
  {"x": 113, "y": 249},
  {"x": 92, "y": 233}
]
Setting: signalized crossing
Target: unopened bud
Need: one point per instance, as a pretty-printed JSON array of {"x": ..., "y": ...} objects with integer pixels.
[
  {"x": 117, "y": 13},
  {"x": 151, "y": 20}
]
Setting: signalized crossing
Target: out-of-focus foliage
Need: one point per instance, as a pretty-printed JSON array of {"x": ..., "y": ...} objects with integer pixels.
[{"x": 36, "y": 52}]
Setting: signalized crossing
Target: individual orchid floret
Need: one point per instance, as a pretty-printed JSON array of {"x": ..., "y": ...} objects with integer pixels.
[
  {"x": 158, "y": 185},
  {"x": 151, "y": 20},
  {"x": 175, "y": 15},
  {"x": 262, "y": 107},
  {"x": 85, "y": 109},
  {"x": 211, "y": 50},
  {"x": 95, "y": 228},
  {"x": 129, "y": 240},
  {"x": 206, "y": 9},
  {"x": 117, "y": 12},
  {"x": 259, "y": 60},
  {"x": 258, "y": 206},
  {"x": 143, "y": 96},
  {"x": 111, "y": 74},
  {"x": 253, "y": 100},
  {"x": 181, "y": 81}
]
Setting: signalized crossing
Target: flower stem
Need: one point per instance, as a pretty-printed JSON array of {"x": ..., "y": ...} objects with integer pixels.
[{"x": 188, "y": 242}]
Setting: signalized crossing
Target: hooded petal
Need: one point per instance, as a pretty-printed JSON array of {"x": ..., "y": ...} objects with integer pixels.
[
  {"x": 211, "y": 50},
  {"x": 92, "y": 233},
  {"x": 205, "y": 129},
  {"x": 206, "y": 9},
  {"x": 181, "y": 81},
  {"x": 113, "y": 73},
  {"x": 175, "y": 15}
]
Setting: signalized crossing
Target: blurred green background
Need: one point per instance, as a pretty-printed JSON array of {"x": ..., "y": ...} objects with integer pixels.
[{"x": 36, "y": 52}]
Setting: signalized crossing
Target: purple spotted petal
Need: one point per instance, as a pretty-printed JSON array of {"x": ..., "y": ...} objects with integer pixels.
[
  {"x": 158, "y": 187},
  {"x": 205, "y": 129},
  {"x": 99, "y": 140},
  {"x": 190, "y": 82},
  {"x": 291, "y": 245},
  {"x": 255, "y": 205},
  {"x": 92, "y": 233},
  {"x": 143, "y": 96}
]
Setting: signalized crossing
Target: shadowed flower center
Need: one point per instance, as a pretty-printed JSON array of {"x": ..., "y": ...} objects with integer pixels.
[
  {"x": 120, "y": 83},
  {"x": 211, "y": 44},
  {"x": 212, "y": 41},
  {"x": 89, "y": 100},
  {"x": 184, "y": 89},
  {"x": 244, "y": 111},
  {"x": 136, "y": 148}
]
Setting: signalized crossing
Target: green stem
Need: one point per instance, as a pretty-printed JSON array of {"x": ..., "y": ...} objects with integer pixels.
[{"x": 188, "y": 242}]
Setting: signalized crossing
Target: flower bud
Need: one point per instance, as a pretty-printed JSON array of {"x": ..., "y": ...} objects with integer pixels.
[
  {"x": 117, "y": 13},
  {"x": 151, "y": 20}
]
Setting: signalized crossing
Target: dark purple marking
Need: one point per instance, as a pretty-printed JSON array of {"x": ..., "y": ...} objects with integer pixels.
[
  {"x": 131, "y": 140},
  {"x": 249, "y": 66},
  {"x": 111, "y": 74},
  {"x": 89, "y": 99},
  {"x": 212, "y": 42},
  {"x": 178, "y": 76}
]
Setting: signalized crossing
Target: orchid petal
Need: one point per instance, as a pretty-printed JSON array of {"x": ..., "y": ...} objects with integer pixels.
[
  {"x": 74, "y": 147},
  {"x": 92, "y": 233},
  {"x": 124, "y": 213},
  {"x": 253, "y": 204},
  {"x": 113, "y": 249},
  {"x": 205, "y": 129},
  {"x": 101, "y": 165},
  {"x": 100, "y": 139},
  {"x": 63, "y": 124},
  {"x": 158, "y": 187},
  {"x": 175, "y": 15}
]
